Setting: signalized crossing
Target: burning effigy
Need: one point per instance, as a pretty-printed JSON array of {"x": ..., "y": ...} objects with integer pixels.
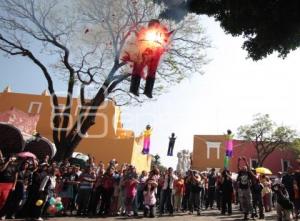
[{"x": 143, "y": 50}]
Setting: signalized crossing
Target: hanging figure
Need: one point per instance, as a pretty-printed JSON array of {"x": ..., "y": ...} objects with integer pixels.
[
  {"x": 145, "y": 50},
  {"x": 229, "y": 148},
  {"x": 229, "y": 143},
  {"x": 172, "y": 140},
  {"x": 147, "y": 135},
  {"x": 226, "y": 162}
]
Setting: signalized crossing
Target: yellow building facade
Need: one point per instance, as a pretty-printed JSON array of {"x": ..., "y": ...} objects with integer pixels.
[{"x": 105, "y": 140}]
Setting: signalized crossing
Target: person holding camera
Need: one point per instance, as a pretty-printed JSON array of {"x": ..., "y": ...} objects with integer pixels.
[
  {"x": 196, "y": 188},
  {"x": 244, "y": 181},
  {"x": 226, "y": 188},
  {"x": 149, "y": 198}
]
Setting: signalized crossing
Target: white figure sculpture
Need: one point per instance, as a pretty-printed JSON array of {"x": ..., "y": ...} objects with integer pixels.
[
  {"x": 179, "y": 162},
  {"x": 184, "y": 161}
]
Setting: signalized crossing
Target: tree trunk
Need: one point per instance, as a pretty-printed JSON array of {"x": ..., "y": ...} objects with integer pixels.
[
  {"x": 259, "y": 161},
  {"x": 60, "y": 153},
  {"x": 69, "y": 150}
]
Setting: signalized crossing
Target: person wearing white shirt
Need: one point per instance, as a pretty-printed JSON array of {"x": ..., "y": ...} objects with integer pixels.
[{"x": 166, "y": 197}]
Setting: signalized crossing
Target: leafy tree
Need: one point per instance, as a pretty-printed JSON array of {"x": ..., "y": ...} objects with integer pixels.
[
  {"x": 156, "y": 162},
  {"x": 156, "y": 159},
  {"x": 296, "y": 148},
  {"x": 268, "y": 25},
  {"x": 266, "y": 136},
  {"x": 85, "y": 38}
]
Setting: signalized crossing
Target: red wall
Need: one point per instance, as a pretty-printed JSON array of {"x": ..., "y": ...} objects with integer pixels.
[{"x": 273, "y": 161}]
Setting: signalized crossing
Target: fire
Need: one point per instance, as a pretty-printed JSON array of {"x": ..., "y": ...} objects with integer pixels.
[{"x": 154, "y": 36}]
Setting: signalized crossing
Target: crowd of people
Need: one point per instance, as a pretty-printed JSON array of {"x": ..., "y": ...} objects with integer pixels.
[{"x": 27, "y": 188}]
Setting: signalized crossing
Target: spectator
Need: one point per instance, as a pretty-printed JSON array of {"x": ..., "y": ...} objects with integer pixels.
[
  {"x": 166, "y": 197},
  {"x": 284, "y": 205},
  {"x": 149, "y": 198},
  {"x": 8, "y": 182},
  {"x": 179, "y": 192},
  {"x": 212, "y": 178},
  {"x": 244, "y": 181},
  {"x": 86, "y": 180},
  {"x": 226, "y": 188},
  {"x": 196, "y": 186}
]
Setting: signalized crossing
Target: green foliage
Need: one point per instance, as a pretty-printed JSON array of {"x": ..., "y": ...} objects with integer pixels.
[
  {"x": 267, "y": 137},
  {"x": 296, "y": 146},
  {"x": 268, "y": 25},
  {"x": 156, "y": 162}
]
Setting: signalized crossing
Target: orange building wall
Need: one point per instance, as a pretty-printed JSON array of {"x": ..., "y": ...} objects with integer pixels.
[
  {"x": 200, "y": 160},
  {"x": 115, "y": 141}
]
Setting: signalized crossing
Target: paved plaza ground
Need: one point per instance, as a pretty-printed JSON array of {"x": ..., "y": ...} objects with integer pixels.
[{"x": 209, "y": 215}]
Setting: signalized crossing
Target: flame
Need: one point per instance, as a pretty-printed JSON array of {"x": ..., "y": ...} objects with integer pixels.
[{"x": 154, "y": 36}]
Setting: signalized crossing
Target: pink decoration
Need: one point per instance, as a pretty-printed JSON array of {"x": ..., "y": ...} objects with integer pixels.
[{"x": 24, "y": 121}]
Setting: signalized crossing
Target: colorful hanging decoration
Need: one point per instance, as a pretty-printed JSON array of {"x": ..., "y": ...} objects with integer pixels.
[
  {"x": 226, "y": 162},
  {"x": 172, "y": 140},
  {"x": 147, "y": 135},
  {"x": 229, "y": 143},
  {"x": 149, "y": 45},
  {"x": 229, "y": 148}
]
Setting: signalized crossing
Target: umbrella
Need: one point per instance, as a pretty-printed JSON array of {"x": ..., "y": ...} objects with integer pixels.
[
  {"x": 11, "y": 139},
  {"x": 263, "y": 170},
  {"x": 80, "y": 156},
  {"x": 77, "y": 162},
  {"x": 26, "y": 155},
  {"x": 40, "y": 148}
]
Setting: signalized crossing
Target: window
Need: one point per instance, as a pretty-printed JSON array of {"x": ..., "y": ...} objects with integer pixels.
[
  {"x": 253, "y": 163},
  {"x": 35, "y": 107},
  {"x": 284, "y": 165},
  {"x": 213, "y": 145}
]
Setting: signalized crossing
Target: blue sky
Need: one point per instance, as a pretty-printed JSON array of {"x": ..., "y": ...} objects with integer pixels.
[{"x": 230, "y": 92}]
